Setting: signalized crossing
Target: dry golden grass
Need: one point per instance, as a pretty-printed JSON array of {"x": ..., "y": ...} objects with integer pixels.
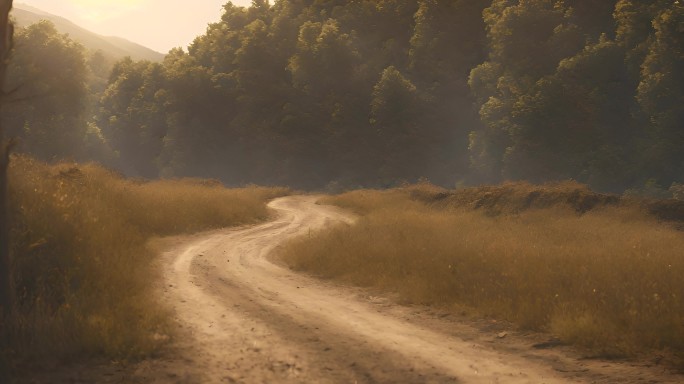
[
  {"x": 609, "y": 279},
  {"x": 82, "y": 272}
]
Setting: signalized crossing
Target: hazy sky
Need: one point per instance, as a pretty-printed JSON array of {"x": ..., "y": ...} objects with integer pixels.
[{"x": 157, "y": 24}]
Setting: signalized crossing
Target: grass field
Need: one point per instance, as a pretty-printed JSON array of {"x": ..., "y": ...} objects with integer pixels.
[
  {"x": 82, "y": 272},
  {"x": 595, "y": 270}
]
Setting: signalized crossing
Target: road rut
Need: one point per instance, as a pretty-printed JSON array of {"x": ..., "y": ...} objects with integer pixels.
[{"x": 249, "y": 319}]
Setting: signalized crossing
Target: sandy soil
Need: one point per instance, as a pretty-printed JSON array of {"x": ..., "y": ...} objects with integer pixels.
[{"x": 243, "y": 318}]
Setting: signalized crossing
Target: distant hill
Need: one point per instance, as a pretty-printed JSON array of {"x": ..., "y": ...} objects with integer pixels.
[{"x": 112, "y": 46}]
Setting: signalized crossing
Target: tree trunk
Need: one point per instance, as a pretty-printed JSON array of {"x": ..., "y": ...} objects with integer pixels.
[{"x": 6, "y": 35}]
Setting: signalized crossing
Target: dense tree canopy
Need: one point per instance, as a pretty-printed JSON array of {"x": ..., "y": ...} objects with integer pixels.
[
  {"x": 52, "y": 92},
  {"x": 51, "y": 70},
  {"x": 311, "y": 93},
  {"x": 374, "y": 93}
]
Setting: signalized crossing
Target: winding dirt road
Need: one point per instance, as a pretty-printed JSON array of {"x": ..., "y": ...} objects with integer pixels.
[{"x": 246, "y": 319}]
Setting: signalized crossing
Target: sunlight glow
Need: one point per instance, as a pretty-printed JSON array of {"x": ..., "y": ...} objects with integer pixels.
[
  {"x": 100, "y": 10},
  {"x": 157, "y": 24}
]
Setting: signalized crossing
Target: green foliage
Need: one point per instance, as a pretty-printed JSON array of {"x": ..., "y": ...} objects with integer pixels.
[
  {"x": 289, "y": 93},
  {"x": 661, "y": 96},
  {"x": 395, "y": 115},
  {"x": 558, "y": 96},
  {"x": 373, "y": 93},
  {"x": 56, "y": 85},
  {"x": 50, "y": 70},
  {"x": 131, "y": 103}
]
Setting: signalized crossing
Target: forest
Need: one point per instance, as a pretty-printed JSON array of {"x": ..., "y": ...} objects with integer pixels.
[{"x": 343, "y": 94}]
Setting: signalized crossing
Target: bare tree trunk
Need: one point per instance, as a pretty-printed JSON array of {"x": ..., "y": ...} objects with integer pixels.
[{"x": 6, "y": 35}]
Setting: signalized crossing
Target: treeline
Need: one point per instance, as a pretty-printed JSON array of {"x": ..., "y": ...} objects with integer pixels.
[
  {"x": 54, "y": 87},
  {"x": 307, "y": 93},
  {"x": 315, "y": 93}
]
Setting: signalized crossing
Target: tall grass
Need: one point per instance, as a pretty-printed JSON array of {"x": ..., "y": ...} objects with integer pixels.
[
  {"x": 82, "y": 272},
  {"x": 608, "y": 279}
]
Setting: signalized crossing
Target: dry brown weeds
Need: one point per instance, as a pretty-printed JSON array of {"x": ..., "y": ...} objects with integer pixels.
[
  {"x": 82, "y": 272},
  {"x": 606, "y": 277}
]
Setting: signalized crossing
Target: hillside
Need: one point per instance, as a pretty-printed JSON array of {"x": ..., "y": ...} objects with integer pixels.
[{"x": 112, "y": 46}]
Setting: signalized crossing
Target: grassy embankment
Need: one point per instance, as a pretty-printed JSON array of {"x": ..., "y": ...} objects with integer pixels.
[
  {"x": 596, "y": 270},
  {"x": 82, "y": 271}
]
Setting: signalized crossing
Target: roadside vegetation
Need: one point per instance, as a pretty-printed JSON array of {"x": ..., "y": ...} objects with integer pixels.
[
  {"x": 83, "y": 275},
  {"x": 599, "y": 271}
]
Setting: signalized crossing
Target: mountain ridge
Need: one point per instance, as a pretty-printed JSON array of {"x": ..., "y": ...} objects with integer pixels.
[{"x": 113, "y": 46}]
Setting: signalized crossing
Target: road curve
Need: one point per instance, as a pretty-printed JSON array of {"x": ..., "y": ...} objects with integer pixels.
[
  {"x": 253, "y": 320},
  {"x": 248, "y": 319}
]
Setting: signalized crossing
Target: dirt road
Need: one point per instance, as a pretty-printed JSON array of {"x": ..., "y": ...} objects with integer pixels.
[{"x": 247, "y": 319}]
